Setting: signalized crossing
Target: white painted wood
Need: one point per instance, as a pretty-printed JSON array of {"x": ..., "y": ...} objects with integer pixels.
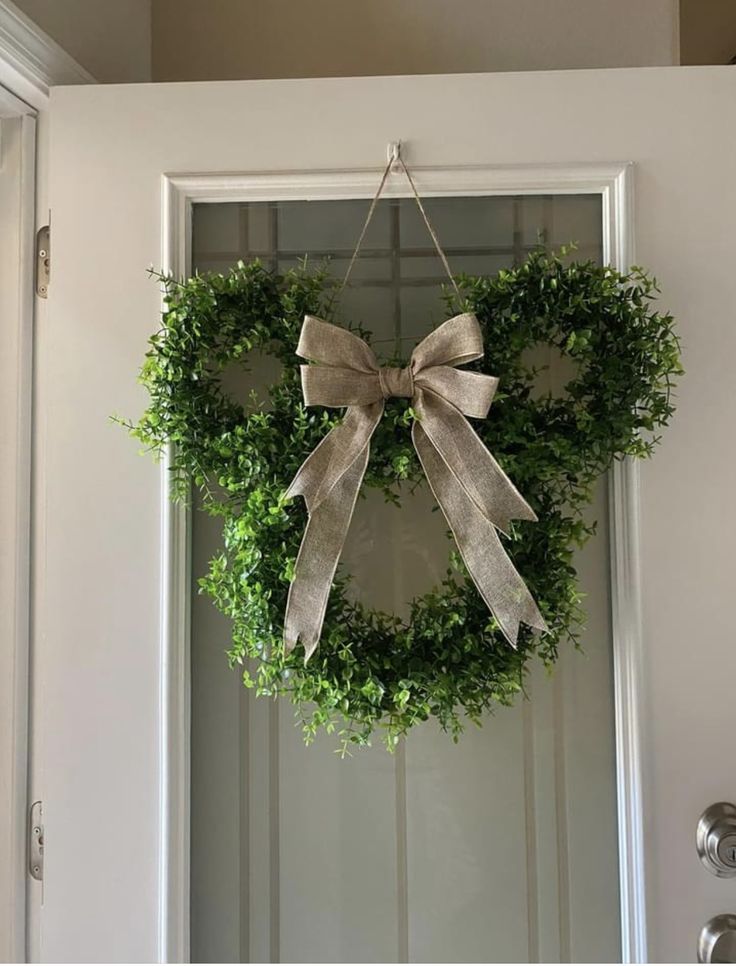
[
  {"x": 174, "y": 681},
  {"x": 468, "y": 180},
  {"x": 101, "y": 608},
  {"x": 17, "y": 187},
  {"x": 627, "y": 629},
  {"x": 30, "y": 62},
  {"x": 626, "y": 605}
]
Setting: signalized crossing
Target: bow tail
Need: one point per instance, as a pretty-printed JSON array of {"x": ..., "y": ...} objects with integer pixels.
[
  {"x": 473, "y": 466},
  {"x": 319, "y": 555},
  {"x": 498, "y": 582},
  {"x": 335, "y": 454}
]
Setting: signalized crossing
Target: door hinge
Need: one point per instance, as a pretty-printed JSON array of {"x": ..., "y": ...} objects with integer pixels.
[
  {"x": 43, "y": 261},
  {"x": 35, "y": 841}
]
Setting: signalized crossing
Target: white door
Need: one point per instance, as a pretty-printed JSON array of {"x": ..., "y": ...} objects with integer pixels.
[{"x": 128, "y": 165}]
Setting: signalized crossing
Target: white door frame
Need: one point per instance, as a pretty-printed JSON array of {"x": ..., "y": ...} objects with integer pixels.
[
  {"x": 30, "y": 64},
  {"x": 614, "y": 183},
  {"x": 16, "y": 352}
]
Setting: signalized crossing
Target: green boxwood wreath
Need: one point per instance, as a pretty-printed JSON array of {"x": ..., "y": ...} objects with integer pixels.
[{"x": 449, "y": 661}]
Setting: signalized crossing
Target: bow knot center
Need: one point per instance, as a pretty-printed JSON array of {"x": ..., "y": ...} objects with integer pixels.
[{"x": 396, "y": 382}]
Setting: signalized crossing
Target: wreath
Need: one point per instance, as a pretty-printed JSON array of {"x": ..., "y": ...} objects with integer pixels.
[{"x": 448, "y": 660}]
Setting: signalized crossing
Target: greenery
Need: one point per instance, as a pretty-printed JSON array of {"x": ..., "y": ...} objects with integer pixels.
[{"x": 449, "y": 660}]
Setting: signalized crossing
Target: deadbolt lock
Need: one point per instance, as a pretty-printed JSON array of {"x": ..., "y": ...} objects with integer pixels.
[{"x": 716, "y": 839}]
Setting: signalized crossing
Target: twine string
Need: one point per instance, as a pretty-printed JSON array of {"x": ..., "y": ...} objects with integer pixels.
[{"x": 371, "y": 211}]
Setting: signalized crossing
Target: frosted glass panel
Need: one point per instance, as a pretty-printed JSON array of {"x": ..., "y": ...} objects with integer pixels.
[{"x": 502, "y": 848}]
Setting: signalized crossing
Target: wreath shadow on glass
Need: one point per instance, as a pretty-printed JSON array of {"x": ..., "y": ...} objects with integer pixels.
[{"x": 448, "y": 660}]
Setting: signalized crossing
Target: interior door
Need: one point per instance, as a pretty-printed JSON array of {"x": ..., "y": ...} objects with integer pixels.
[{"x": 129, "y": 165}]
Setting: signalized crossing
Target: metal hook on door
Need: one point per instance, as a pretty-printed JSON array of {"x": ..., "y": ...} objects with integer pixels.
[{"x": 393, "y": 154}]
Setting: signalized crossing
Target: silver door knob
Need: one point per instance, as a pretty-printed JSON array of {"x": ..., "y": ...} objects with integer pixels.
[
  {"x": 717, "y": 943},
  {"x": 716, "y": 839}
]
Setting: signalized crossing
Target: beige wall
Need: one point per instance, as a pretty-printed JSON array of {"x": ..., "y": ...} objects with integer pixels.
[
  {"x": 111, "y": 38},
  {"x": 708, "y": 31},
  {"x": 229, "y": 39},
  {"x": 139, "y": 40}
]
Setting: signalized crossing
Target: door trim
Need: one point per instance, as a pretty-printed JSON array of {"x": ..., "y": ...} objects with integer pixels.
[
  {"x": 16, "y": 366},
  {"x": 30, "y": 64},
  {"x": 30, "y": 61},
  {"x": 614, "y": 183}
]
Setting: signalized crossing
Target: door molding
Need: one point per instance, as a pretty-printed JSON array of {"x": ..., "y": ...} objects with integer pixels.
[
  {"x": 30, "y": 61},
  {"x": 614, "y": 183},
  {"x": 16, "y": 365},
  {"x": 30, "y": 64}
]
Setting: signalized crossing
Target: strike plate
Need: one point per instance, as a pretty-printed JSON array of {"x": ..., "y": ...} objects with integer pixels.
[
  {"x": 35, "y": 841},
  {"x": 43, "y": 261}
]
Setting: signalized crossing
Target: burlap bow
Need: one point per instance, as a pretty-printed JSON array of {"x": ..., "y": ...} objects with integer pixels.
[{"x": 475, "y": 495}]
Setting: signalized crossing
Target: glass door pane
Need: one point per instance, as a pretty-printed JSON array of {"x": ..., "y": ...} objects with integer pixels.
[{"x": 502, "y": 848}]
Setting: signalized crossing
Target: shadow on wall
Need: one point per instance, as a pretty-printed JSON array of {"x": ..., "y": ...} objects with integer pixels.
[
  {"x": 707, "y": 31},
  {"x": 327, "y": 38},
  {"x": 120, "y": 41}
]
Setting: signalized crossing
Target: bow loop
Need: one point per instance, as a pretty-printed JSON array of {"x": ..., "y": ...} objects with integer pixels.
[
  {"x": 475, "y": 495},
  {"x": 470, "y": 392},
  {"x": 332, "y": 345},
  {"x": 455, "y": 342},
  {"x": 337, "y": 388}
]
